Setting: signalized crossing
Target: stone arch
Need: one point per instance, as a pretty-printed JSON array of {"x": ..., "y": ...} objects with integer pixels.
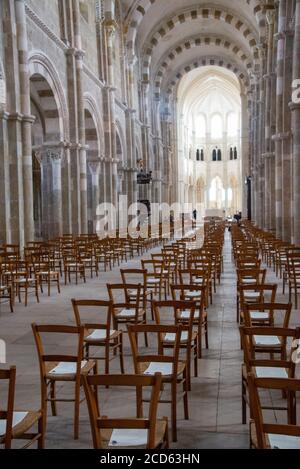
[
  {"x": 91, "y": 106},
  {"x": 203, "y": 13},
  {"x": 204, "y": 61},
  {"x": 199, "y": 41},
  {"x": 139, "y": 11},
  {"x": 40, "y": 65},
  {"x": 48, "y": 157}
]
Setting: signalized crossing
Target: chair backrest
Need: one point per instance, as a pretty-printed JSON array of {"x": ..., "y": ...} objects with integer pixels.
[
  {"x": 99, "y": 422},
  {"x": 120, "y": 294},
  {"x": 249, "y": 339},
  {"x": 97, "y": 312},
  {"x": 133, "y": 276},
  {"x": 41, "y": 331},
  {"x": 7, "y": 414},
  {"x": 266, "y": 293},
  {"x": 273, "y": 310},
  {"x": 264, "y": 429},
  {"x": 181, "y": 293},
  {"x": 159, "y": 331}
]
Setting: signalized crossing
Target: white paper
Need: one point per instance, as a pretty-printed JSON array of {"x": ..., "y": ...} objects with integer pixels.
[
  {"x": 270, "y": 372},
  {"x": 17, "y": 418},
  {"x": 266, "y": 340},
  {"x": 185, "y": 314},
  {"x": 66, "y": 368},
  {"x": 171, "y": 337},
  {"x": 127, "y": 312},
  {"x": 99, "y": 334},
  {"x": 259, "y": 315},
  {"x": 157, "y": 367},
  {"x": 129, "y": 437},
  {"x": 284, "y": 441}
]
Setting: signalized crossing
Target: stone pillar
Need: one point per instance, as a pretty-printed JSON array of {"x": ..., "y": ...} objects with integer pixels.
[
  {"x": 79, "y": 55},
  {"x": 27, "y": 121},
  {"x": 5, "y": 190},
  {"x": 279, "y": 114},
  {"x": 295, "y": 108},
  {"x": 94, "y": 167},
  {"x": 244, "y": 151},
  {"x": 269, "y": 154}
]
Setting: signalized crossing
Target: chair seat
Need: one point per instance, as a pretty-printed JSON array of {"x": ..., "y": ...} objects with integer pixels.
[
  {"x": 170, "y": 338},
  {"x": 252, "y": 296},
  {"x": 66, "y": 371},
  {"x": 25, "y": 280},
  {"x": 132, "y": 438},
  {"x": 100, "y": 335},
  {"x": 270, "y": 372},
  {"x": 259, "y": 315},
  {"x": 22, "y": 422},
  {"x": 249, "y": 281},
  {"x": 267, "y": 340},
  {"x": 193, "y": 294},
  {"x": 283, "y": 441},
  {"x": 185, "y": 314},
  {"x": 129, "y": 313},
  {"x": 152, "y": 280},
  {"x": 166, "y": 369}
]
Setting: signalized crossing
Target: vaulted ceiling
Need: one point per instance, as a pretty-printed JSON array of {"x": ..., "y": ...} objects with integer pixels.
[{"x": 173, "y": 37}]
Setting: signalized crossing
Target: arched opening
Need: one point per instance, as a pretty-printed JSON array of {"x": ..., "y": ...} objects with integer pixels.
[
  {"x": 47, "y": 159},
  {"x": 93, "y": 167},
  {"x": 210, "y": 96}
]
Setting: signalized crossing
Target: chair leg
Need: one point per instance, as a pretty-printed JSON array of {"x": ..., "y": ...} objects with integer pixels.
[
  {"x": 76, "y": 411},
  {"x": 244, "y": 403},
  {"x": 185, "y": 396},
  {"x": 121, "y": 355},
  {"x": 174, "y": 411},
  {"x": 53, "y": 396},
  {"x": 42, "y": 431}
]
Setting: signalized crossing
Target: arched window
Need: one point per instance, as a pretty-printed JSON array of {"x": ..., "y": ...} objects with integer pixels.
[
  {"x": 200, "y": 126},
  {"x": 202, "y": 154},
  {"x": 198, "y": 155},
  {"x": 235, "y": 153},
  {"x": 216, "y": 125},
  {"x": 232, "y": 125},
  {"x": 214, "y": 155},
  {"x": 219, "y": 153},
  {"x": 231, "y": 153}
]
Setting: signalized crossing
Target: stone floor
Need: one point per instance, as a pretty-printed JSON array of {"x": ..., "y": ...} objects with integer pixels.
[{"x": 215, "y": 400}]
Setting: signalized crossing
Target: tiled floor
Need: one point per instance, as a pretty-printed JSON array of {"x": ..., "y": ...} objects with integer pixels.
[{"x": 215, "y": 401}]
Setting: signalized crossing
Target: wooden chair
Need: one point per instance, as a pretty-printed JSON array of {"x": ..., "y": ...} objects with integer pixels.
[
  {"x": 169, "y": 312},
  {"x": 157, "y": 277},
  {"x": 6, "y": 293},
  {"x": 24, "y": 282},
  {"x": 293, "y": 267},
  {"x": 58, "y": 368},
  {"x": 248, "y": 277},
  {"x": 259, "y": 293},
  {"x": 17, "y": 425},
  {"x": 173, "y": 370},
  {"x": 198, "y": 295},
  {"x": 264, "y": 367},
  {"x": 127, "y": 308},
  {"x": 273, "y": 435},
  {"x": 116, "y": 433},
  {"x": 98, "y": 331},
  {"x": 138, "y": 276}
]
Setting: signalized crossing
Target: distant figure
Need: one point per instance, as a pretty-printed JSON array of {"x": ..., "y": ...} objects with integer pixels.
[{"x": 195, "y": 214}]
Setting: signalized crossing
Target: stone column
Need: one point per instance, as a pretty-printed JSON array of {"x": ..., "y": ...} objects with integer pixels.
[
  {"x": 27, "y": 121},
  {"x": 79, "y": 55},
  {"x": 94, "y": 167},
  {"x": 269, "y": 155},
  {"x": 5, "y": 228},
  {"x": 295, "y": 108},
  {"x": 244, "y": 151},
  {"x": 279, "y": 114}
]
